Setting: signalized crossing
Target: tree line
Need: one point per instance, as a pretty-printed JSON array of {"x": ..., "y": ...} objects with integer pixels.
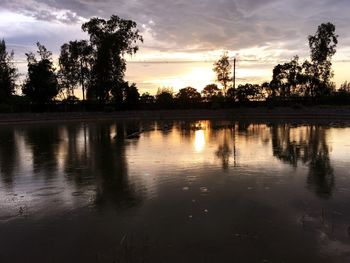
[{"x": 97, "y": 66}]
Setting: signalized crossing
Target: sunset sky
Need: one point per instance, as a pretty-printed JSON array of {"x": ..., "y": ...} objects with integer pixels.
[{"x": 183, "y": 38}]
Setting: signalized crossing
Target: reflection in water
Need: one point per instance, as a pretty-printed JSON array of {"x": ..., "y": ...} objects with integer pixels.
[
  {"x": 307, "y": 144},
  {"x": 199, "y": 141},
  {"x": 183, "y": 184},
  {"x": 44, "y": 142},
  {"x": 224, "y": 151},
  {"x": 95, "y": 154},
  {"x": 8, "y": 155}
]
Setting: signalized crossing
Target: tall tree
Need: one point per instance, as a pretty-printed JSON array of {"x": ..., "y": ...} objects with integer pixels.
[
  {"x": 75, "y": 65},
  {"x": 223, "y": 68},
  {"x": 111, "y": 40},
  {"x": 322, "y": 46},
  {"x": 286, "y": 79},
  {"x": 8, "y": 73},
  {"x": 41, "y": 85}
]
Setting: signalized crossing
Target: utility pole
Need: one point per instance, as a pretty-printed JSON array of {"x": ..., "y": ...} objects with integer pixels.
[{"x": 234, "y": 73}]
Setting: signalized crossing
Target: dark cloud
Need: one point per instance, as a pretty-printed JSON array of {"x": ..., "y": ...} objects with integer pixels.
[{"x": 203, "y": 24}]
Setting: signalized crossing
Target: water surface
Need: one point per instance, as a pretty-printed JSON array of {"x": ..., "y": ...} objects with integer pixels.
[{"x": 175, "y": 191}]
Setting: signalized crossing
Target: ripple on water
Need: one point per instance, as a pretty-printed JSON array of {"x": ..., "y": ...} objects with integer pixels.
[{"x": 47, "y": 191}]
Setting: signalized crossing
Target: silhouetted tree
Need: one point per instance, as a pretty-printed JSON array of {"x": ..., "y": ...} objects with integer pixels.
[
  {"x": 111, "y": 40},
  {"x": 231, "y": 94},
  {"x": 188, "y": 95},
  {"x": 75, "y": 65},
  {"x": 147, "y": 99},
  {"x": 322, "y": 47},
  {"x": 247, "y": 92},
  {"x": 286, "y": 79},
  {"x": 41, "y": 85},
  {"x": 345, "y": 87},
  {"x": 8, "y": 73},
  {"x": 210, "y": 92},
  {"x": 126, "y": 94},
  {"x": 165, "y": 98},
  {"x": 223, "y": 68},
  {"x": 132, "y": 95}
]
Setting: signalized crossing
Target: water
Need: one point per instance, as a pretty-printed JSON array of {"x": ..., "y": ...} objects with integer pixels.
[{"x": 209, "y": 191}]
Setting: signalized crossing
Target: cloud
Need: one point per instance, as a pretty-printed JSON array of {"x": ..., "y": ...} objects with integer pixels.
[{"x": 202, "y": 25}]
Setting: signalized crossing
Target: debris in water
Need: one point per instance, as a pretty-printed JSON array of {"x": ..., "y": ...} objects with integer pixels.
[{"x": 185, "y": 188}]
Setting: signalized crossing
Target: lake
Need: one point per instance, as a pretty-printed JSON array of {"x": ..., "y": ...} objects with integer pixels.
[{"x": 175, "y": 191}]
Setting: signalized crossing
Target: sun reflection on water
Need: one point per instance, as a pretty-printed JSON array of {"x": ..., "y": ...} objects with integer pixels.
[{"x": 199, "y": 141}]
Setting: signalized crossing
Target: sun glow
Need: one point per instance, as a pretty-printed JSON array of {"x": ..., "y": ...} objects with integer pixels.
[{"x": 197, "y": 77}]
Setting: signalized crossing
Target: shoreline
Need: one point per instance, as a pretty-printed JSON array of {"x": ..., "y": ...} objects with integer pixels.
[{"x": 254, "y": 114}]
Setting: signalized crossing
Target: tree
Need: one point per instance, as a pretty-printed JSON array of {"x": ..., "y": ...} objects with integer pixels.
[
  {"x": 188, "y": 95},
  {"x": 8, "y": 73},
  {"x": 41, "y": 85},
  {"x": 210, "y": 92},
  {"x": 75, "y": 66},
  {"x": 248, "y": 92},
  {"x": 165, "y": 97},
  {"x": 110, "y": 40},
  {"x": 132, "y": 95},
  {"x": 322, "y": 46},
  {"x": 345, "y": 87},
  {"x": 222, "y": 68},
  {"x": 147, "y": 99},
  {"x": 286, "y": 79}
]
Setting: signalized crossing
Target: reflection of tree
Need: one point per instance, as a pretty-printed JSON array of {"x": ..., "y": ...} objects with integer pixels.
[
  {"x": 44, "y": 142},
  {"x": 310, "y": 147},
  {"x": 91, "y": 156},
  {"x": 188, "y": 128},
  {"x": 223, "y": 153},
  {"x": 8, "y": 155},
  {"x": 109, "y": 164},
  {"x": 76, "y": 161}
]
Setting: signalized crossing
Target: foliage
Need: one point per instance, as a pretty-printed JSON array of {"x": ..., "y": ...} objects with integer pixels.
[
  {"x": 345, "y": 87},
  {"x": 131, "y": 95},
  {"x": 286, "y": 79},
  {"x": 110, "y": 40},
  {"x": 147, "y": 99},
  {"x": 223, "y": 68},
  {"x": 248, "y": 92},
  {"x": 188, "y": 95},
  {"x": 8, "y": 73},
  {"x": 75, "y": 66},
  {"x": 210, "y": 92},
  {"x": 322, "y": 46},
  {"x": 165, "y": 97},
  {"x": 41, "y": 85}
]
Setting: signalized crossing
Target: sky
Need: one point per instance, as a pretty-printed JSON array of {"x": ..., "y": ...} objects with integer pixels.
[{"x": 182, "y": 38}]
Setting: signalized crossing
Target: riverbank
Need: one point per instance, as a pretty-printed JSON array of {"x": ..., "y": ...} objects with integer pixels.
[{"x": 260, "y": 113}]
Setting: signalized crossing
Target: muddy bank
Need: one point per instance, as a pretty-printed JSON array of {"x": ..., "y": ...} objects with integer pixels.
[{"x": 264, "y": 114}]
